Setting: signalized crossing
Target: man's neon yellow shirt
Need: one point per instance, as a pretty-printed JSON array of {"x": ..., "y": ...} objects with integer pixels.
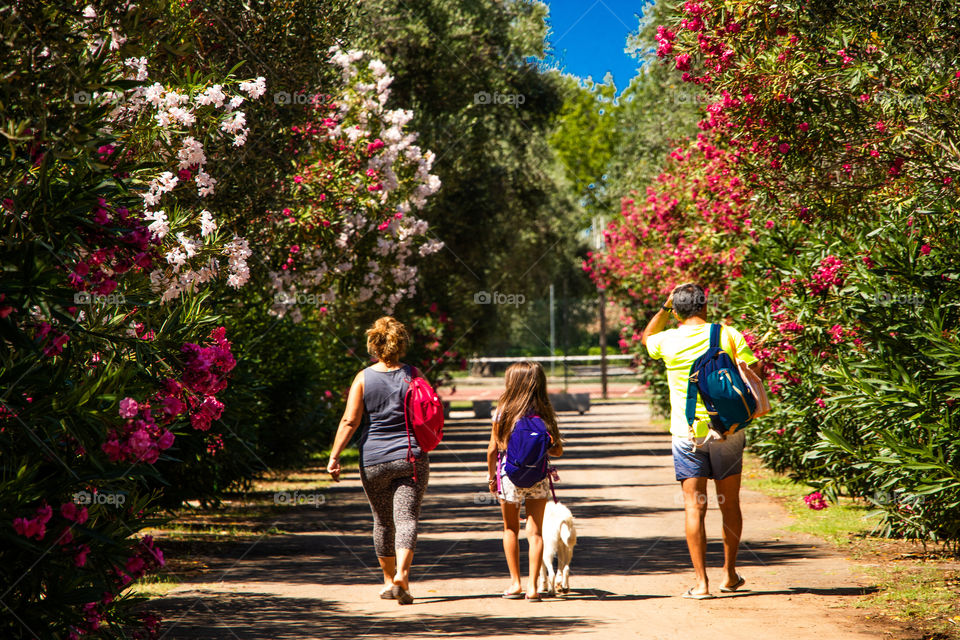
[{"x": 679, "y": 348}]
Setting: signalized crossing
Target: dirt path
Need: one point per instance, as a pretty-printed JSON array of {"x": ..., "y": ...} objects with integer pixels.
[{"x": 630, "y": 565}]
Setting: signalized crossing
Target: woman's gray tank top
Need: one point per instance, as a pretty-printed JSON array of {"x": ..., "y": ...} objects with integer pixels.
[{"x": 384, "y": 433}]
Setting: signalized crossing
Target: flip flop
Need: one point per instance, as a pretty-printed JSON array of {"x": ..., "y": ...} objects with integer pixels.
[
  {"x": 402, "y": 595},
  {"x": 536, "y": 598},
  {"x": 387, "y": 594},
  {"x": 690, "y": 595},
  {"x": 739, "y": 583},
  {"x": 513, "y": 596}
]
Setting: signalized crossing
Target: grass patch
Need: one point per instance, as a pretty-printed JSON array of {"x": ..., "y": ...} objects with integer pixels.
[
  {"x": 154, "y": 585},
  {"x": 928, "y": 595},
  {"x": 841, "y": 523},
  {"x": 918, "y": 588}
]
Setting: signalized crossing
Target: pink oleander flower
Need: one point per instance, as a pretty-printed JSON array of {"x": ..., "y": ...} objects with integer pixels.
[
  {"x": 71, "y": 511},
  {"x": 35, "y": 527},
  {"x": 828, "y": 273},
  {"x": 790, "y": 327},
  {"x": 836, "y": 334},
  {"x": 210, "y": 409},
  {"x": 80, "y": 557},
  {"x": 925, "y": 249},
  {"x": 815, "y": 501},
  {"x": 128, "y": 408},
  {"x": 135, "y": 566}
]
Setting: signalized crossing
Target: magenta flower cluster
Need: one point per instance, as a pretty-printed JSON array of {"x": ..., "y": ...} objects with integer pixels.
[
  {"x": 828, "y": 273},
  {"x": 143, "y": 435},
  {"x": 815, "y": 501}
]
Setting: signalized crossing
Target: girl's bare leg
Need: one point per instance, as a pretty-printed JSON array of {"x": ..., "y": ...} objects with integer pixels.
[
  {"x": 535, "y": 510},
  {"x": 511, "y": 542}
]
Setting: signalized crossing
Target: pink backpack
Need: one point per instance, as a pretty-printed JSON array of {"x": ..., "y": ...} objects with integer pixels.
[{"x": 424, "y": 412}]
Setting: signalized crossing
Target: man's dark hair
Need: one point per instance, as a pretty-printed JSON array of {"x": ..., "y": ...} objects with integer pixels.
[{"x": 689, "y": 300}]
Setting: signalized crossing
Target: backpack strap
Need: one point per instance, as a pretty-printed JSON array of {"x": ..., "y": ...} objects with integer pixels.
[
  {"x": 715, "y": 330},
  {"x": 691, "y": 401},
  {"x": 410, "y": 458},
  {"x": 406, "y": 420}
]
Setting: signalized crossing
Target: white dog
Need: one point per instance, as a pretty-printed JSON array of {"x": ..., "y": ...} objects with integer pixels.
[{"x": 559, "y": 538}]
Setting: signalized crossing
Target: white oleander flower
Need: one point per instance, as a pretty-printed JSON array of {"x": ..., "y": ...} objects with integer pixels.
[
  {"x": 256, "y": 88},
  {"x": 207, "y": 224},
  {"x": 159, "y": 226},
  {"x": 191, "y": 153},
  {"x": 212, "y": 95}
]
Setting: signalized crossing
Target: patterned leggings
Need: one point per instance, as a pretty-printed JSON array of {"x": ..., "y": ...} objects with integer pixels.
[{"x": 395, "y": 502}]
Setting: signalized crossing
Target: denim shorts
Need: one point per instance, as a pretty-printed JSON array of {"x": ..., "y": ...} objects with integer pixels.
[{"x": 717, "y": 459}]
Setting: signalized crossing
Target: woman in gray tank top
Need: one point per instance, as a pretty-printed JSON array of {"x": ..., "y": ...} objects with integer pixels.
[{"x": 393, "y": 469}]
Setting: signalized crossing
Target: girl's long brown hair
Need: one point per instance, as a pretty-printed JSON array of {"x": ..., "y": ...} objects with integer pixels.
[{"x": 525, "y": 393}]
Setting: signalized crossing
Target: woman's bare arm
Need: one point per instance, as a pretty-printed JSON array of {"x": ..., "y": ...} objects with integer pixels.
[{"x": 352, "y": 416}]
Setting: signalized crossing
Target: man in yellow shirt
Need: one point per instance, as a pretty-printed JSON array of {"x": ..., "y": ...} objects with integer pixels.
[{"x": 699, "y": 452}]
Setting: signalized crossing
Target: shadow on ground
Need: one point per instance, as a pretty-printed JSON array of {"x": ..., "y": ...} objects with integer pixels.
[
  {"x": 258, "y": 616},
  {"x": 331, "y": 545}
]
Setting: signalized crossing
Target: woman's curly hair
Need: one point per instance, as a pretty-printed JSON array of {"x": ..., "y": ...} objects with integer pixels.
[{"x": 387, "y": 340}]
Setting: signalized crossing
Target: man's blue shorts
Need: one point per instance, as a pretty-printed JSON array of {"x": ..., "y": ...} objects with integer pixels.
[{"x": 717, "y": 459}]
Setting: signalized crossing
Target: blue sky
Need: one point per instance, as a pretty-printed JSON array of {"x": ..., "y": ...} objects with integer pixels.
[{"x": 587, "y": 37}]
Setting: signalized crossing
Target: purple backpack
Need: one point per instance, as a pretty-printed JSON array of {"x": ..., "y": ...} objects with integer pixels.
[{"x": 526, "y": 455}]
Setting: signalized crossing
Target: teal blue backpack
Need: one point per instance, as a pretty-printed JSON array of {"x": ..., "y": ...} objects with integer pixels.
[{"x": 715, "y": 377}]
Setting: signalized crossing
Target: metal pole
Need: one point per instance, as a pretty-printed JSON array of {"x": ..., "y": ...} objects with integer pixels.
[
  {"x": 553, "y": 334},
  {"x": 603, "y": 343}
]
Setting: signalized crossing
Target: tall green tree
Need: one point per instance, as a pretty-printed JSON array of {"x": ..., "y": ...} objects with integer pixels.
[{"x": 506, "y": 212}]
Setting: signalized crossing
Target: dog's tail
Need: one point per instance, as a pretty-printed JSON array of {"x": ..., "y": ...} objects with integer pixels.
[{"x": 567, "y": 534}]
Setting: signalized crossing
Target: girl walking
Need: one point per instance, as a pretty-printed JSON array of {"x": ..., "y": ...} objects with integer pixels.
[
  {"x": 525, "y": 395},
  {"x": 393, "y": 469}
]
